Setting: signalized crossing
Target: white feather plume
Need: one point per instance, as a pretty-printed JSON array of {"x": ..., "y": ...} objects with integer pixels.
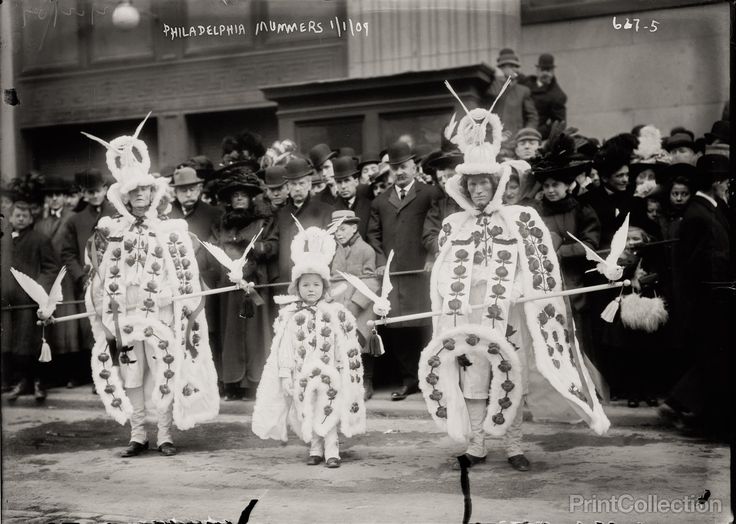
[{"x": 650, "y": 143}]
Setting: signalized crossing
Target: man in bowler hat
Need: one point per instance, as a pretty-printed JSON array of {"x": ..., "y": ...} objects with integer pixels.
[
  {"x": 396, "y": 223},
  {"x": 201, "y": 217},
  {"x": 309, "y": 210},
  {"x": 351, "y": 194},
  {"x": 549, "y": 98}
]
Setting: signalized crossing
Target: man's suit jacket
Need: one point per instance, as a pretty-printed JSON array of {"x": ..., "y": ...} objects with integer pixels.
[
  {"x": 78, "y": 230},
  {"x": 361, "y": 206},
  {"x": 202, "y": 220},
  {"x": 397, "y": 225},
  {"x": 611, "y": 209},
  {"x": 54, "y": 228},
  {"x": 312, "y": 213}
]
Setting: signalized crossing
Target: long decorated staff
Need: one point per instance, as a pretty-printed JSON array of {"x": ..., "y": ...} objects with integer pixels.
[{"x": 569, "y": 292}]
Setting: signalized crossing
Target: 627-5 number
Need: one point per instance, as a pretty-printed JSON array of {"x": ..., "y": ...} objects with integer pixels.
[{"x": 652, "y": 27}]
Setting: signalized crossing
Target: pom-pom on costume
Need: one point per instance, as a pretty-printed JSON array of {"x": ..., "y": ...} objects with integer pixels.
[
  {"x": 147, "y": 346},
  {"x": 315, "y": 346},
  {"x": 476, "y": 369}
]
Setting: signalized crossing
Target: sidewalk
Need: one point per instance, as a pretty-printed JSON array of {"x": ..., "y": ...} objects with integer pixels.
[{"x": 380, "y": 406}]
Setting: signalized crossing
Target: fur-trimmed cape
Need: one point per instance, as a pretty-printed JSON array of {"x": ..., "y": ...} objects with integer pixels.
[
  {"x": 317, "y": 349},
  {"x": 139, "y": 266}
]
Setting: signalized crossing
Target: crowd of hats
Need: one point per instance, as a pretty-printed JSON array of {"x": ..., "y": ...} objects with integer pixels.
[{"x": 247, "y": 165}]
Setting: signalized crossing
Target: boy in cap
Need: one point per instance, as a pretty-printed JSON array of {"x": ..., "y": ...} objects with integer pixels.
[
  {"x": 526, "y": 143},
  {"x": 31, "y": 253},
  {"x": 355, "y": 257}
]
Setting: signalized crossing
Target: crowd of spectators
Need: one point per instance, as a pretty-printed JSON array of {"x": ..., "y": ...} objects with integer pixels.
[{"x": 673, "y": 188}]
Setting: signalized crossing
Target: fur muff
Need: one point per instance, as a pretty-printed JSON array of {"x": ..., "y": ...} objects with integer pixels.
[{"x": 643, "y": 313}]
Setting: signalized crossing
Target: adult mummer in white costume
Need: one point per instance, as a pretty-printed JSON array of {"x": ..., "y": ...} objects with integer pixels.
[
  {"x": 149, "y": 343},
  {"x": 478, "y": 369}
]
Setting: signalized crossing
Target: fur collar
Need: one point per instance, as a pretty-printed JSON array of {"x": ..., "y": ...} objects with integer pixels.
[
  {"x": 455, "y": 191},
  {"x": 119, "y": 199}
]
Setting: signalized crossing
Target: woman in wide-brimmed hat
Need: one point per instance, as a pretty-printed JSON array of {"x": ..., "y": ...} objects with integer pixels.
[{"x": 244, "y": 321}]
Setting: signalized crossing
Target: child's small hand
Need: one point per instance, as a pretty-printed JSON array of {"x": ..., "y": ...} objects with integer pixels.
[{"x": 287, "y": 387}]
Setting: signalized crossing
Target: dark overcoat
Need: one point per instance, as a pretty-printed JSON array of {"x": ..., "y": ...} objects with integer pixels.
[
  {"x": 312, "y": 213},
  {"x": 202, "y": 220},
  {"x": 397, "y": 225},
  {"x": 361, "y": 206},
  {"x": 550, "y": 101},
  {"x": 78, "y": 230},
  {"x": 30, "y": 253},
  {"x": 440, "y": 210},
  {"x": 62, "y": 337},
  {"x": 244, "y": 330}
]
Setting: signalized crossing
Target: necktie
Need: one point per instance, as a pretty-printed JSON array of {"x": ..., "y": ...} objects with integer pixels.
[
  {"x": 14, "y": 234},
  {"x": 402, "y": 194}
]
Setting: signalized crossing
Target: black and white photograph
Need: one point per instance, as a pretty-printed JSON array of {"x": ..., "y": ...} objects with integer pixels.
[{"x": 366, "y": 261}]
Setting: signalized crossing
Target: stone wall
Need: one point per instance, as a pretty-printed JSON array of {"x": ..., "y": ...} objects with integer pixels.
[{"x": 616, "y": 79}]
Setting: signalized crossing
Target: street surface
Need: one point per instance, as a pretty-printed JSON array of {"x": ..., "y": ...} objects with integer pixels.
[{"x": 60, "y": 465}]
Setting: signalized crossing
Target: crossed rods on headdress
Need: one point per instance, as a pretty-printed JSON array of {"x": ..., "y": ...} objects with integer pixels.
[{"x": 123, "y": 151}]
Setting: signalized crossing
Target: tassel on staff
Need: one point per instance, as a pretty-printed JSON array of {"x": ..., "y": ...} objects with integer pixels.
[
  {"x": 375, "y": 343},
  {"x": 609, "y": 313},
  {"x": 45, "y": 348}
]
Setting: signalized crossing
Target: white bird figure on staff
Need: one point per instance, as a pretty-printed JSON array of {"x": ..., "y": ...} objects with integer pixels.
[
  {"x": 236, "y": 266},
  {"x": 47, "y": 302},
  {"x": 381, "y": 305},
  {"x": 609, "y": 267}
]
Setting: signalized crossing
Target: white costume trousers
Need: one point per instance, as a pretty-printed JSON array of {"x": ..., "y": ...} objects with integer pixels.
[
  {"x": 511, "y": 440},
  {"x": 133, "y": 379},
  {"x": 327, "y": 446}
]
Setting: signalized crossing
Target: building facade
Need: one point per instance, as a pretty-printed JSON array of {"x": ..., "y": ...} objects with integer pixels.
[{"x": 353, "y": 73}]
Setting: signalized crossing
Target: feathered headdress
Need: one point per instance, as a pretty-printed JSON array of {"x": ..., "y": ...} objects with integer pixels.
[
  {"x": 128, "y": 161},
  {"x": 615, "y": 153},
  {"x": 649, "y": 150},
  {"x": 560, "y": 158},
  {"x": 479, "y": 155},
  {"x": 312, "y": 251}
]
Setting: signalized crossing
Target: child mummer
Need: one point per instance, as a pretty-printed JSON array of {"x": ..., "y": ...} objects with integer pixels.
[
  {"x": 354, "y": 256},
  {"x": 313, "y": 378}
]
